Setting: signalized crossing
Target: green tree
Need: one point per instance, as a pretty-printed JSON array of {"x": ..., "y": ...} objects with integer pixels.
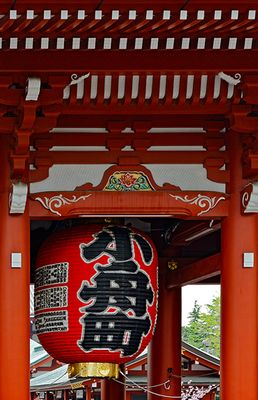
[
  {"x": 210, "y": 321},
  {"x": 192, "y": 333},
  {"x": 203, "y": 329}
]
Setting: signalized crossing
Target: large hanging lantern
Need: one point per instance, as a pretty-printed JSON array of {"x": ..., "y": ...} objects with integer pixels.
[{"x": 96, "y": 297}]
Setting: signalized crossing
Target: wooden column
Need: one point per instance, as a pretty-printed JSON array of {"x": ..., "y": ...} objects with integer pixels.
[
  {"x": 238, "y": 292},
  {"x": 14, "y": 291},
  {"x": 88, "y": 392},
  {"x": 165, "y": 349},
  {"x": 112, "y": 390}
]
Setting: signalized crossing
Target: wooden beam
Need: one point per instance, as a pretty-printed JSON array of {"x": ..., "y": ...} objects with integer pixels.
[
  {"x": 198, "y": 113},
  {"x": 127, "y": 61},
  {"x": 124, "y": 157},
  {"x": 70, "y": 119},
  {"x": 126, "y": 139},
  {"x": 197, "y": 357},
  {"x": 51, "y": 205},
  {"x": 195, "y": 272},
  {"x": 90, "y": 5}
]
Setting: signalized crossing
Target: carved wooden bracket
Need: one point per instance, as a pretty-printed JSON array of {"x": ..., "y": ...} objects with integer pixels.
[
  {"x": 214, "y": 170},
  {"x": 20, "y": 152},
  {"x": 250, "y": 156},
  {"x": 28, "y": 105},
  {"x": 18, "y": 198},
  {"x": 250, "y": 89},
  {"x": 244, "y": 119}
]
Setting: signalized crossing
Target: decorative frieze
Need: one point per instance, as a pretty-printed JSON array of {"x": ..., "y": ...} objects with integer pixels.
[
  {"x": 203, "y": 202},
  {"x": 56, "y": 202}
]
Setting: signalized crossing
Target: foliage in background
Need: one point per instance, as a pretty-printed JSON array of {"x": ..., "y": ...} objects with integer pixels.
[{"x": 203, "y": 328}]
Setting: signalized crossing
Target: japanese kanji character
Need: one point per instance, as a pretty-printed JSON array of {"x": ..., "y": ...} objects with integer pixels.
[
  {"x": 117, "y": 242},
  {"x": 125, "y": 291},
  {"x": 114, "y": 332}
]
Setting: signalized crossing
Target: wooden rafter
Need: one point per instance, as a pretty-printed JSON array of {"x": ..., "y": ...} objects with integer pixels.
[{"x": 127, "y": 18}]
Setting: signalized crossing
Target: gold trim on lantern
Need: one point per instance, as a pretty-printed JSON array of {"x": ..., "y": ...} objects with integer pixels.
[{"x": 93, "y": 370}]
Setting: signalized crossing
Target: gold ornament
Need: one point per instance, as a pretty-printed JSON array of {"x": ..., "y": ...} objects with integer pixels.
[
  {"x": 93, "y": 370},
  {"x": 172, "y": 265}
]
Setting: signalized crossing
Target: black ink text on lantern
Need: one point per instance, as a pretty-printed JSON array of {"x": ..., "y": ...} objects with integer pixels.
[{"x": 118, "y": 285}]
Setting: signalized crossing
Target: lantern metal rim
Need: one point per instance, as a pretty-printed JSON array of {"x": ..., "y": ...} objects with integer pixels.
[{"x": 93, "y": 370}]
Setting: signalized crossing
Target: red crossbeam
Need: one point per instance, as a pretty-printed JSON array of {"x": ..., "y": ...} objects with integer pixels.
[
  {"x": 126, "y": 139},
  {"x": 160, "y": 203},
  {"x": 128, "y": 61},
  {"x": 158, "y": 5},
  {"x": 113, "y": 157},
  {"x": 196, "y": 272}
]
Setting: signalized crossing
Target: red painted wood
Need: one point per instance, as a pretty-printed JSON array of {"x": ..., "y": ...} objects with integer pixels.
[
  {"x": 88, "y": 393},
  {"x": 194, "y": 272},
  {"x": 239, "y": 292},
  {"x": 165, "y": 347},
  {"x": 111, "y": 389},
  {"x": 197, "y": 114},
  {"x": 111, "y": 157},
  {"x": 202, "y": 361},
  {"x": 128, "y": 203},
  {"x": 159, "y": 61},
  {"x": 90, "y": 5},
  {"x": 14, "y": 289}
]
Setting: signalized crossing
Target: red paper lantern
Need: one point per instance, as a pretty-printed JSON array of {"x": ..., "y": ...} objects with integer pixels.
[{"x": 96, "y": 294}]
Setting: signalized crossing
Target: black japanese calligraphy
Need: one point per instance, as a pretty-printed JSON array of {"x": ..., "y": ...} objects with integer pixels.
[
  {"x": 114, "y": 332},
  {"x": 117, "y": 242},
  {"x": 125, "y": 291},
  {"x": 119, "y": 285}
]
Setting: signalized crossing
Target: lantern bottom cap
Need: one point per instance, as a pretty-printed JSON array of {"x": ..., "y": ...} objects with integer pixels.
[{"x": 93, "y": 370}]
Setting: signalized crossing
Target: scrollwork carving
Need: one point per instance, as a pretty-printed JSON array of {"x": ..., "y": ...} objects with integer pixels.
[
  {"x": 206, "y": 203},
  {"x": 56, "y": 202}
]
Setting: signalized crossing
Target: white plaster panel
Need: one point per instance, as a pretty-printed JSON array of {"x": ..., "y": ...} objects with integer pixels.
[
  {"x": 187, "y": 176},
  {"x": 68, "y": 177}
]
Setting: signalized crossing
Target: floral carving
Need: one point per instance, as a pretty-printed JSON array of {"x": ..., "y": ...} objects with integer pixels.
[
  {"x": 124, "y": 181},
  {"x": 128, "y": 180}
]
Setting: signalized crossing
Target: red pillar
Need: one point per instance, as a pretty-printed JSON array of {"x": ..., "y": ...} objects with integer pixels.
[
  {"x": 88, "y": 392},
  {"x": 238, "y": 292},
  {"x": 165, "y": 349},
  {"x": 112, "y": 390},
  {"x": 14, "y": 292}
]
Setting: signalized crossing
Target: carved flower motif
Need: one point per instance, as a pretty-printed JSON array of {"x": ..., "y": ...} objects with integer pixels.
[{"x": 127, "y": 179}]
